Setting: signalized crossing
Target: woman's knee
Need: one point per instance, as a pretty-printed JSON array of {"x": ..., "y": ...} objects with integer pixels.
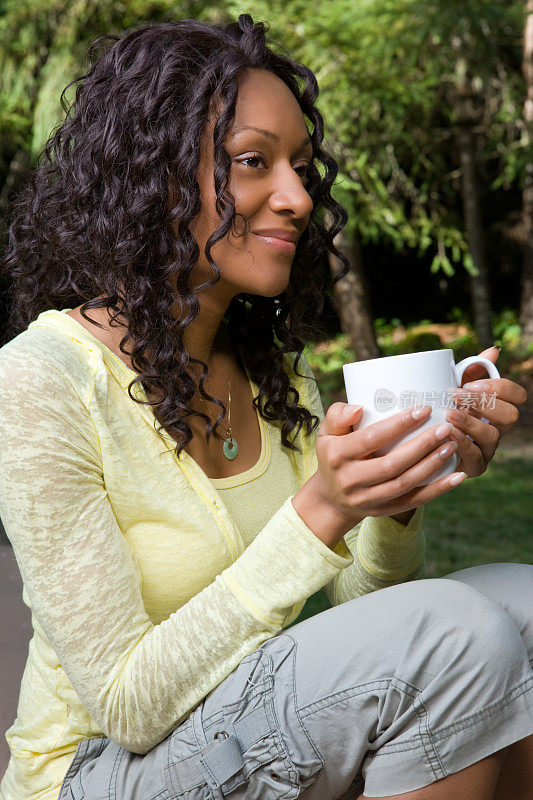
[
  {"x": 510, "y": 586},
  {"x": 437, "y": 636},
  {"x": 445, "y": 599},
  {"x": 465, "y": 644},
  {"x": 462, "y": 617},
  {"x": 438, "y": 615}
]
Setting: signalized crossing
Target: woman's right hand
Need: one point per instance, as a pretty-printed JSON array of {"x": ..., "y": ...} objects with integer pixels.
[{"x": 351, "y": 484}]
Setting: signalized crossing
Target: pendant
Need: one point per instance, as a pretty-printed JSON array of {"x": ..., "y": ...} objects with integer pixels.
[{"x": 230, "y": 448}]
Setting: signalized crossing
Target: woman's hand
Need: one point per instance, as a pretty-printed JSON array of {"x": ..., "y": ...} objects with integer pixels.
[
  {"x": 496, "y": 399},
  {"x": 353, "y": 483}
]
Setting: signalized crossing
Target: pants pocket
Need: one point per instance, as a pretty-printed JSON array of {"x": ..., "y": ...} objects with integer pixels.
[
  {"x": 73, "y": 786},
  {"x": 277, "y": 759}
]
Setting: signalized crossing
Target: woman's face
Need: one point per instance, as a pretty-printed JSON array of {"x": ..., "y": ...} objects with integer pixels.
[{"x": 268, "y": 183}]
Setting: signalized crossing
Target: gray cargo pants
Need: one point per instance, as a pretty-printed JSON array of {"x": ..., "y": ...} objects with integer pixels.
[{"x": 386, "y": 693}]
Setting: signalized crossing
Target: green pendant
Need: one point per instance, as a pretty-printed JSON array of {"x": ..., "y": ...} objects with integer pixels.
[{"x": 230, "y": 448}]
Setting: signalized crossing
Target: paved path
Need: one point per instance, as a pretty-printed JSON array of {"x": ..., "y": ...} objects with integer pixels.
[
  {"x": 15, "y": 633},
  {"x": 15, "y": 620}
]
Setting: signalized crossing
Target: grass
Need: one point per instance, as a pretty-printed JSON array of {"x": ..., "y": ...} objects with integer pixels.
[{"x": 484, "y": 520}]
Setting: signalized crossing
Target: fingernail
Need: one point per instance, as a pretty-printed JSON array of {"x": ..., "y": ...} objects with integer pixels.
[
  {"x": 347, "y": 410},
  {"x": 448, "y": 449},
  {"x": 421, "y": 412},
  {"x": 457, "y": 478},
  {"x": 481, "y": 385},
  {"x": 443, "y": 431}
]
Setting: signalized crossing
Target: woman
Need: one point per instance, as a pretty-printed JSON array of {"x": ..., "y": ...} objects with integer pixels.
[{"x": 182, "y": 194}]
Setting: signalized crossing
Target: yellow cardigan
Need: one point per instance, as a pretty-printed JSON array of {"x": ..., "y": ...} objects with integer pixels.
[{"x": 143, "y": 593}]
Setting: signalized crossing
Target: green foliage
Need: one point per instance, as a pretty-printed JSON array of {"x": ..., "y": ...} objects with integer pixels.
[
  {"x": 455, "y": 314},
  {"x": 420, "y": 342},
  {"x": 43, "y": 47},
  {"x": 467, "y": 529},
  {"x": 383, "y": 328},
  {"x": 464, "y": 346},
  {"x": 388, "y": 74},
  {"x": 506, "y": 329}
]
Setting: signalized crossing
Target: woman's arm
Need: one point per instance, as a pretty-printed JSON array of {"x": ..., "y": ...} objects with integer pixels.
[
  {"x": 137, "y": 680},
  {"x": 386, "y": 550}
]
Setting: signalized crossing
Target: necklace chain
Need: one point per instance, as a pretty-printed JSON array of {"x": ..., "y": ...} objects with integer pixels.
[{"x": 230, "y": 448}]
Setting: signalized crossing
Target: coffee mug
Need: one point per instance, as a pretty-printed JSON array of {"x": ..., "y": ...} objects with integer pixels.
[{"x": 384, "y": 386}]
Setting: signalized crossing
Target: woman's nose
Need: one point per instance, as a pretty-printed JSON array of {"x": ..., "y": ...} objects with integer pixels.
[{"x": 289, "y": 192}]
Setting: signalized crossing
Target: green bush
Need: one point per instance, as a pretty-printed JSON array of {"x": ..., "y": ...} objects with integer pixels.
[
  {"x": 506, "y": 328},
  {"x": 419, "y": 342},
  {"x": 464, "y": 346},
  {"x": 384, "y": 328},
  {"x": 389, "y": 348}
]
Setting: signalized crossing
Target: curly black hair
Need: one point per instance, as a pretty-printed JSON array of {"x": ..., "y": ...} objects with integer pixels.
[{"x": 93, "y": 222}]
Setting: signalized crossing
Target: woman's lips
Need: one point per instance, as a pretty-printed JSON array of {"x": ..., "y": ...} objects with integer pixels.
[{"x": 279, "y": 244}]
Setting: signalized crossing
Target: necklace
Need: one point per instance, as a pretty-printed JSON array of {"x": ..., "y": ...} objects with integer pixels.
[{"x": 230, "y": 448}]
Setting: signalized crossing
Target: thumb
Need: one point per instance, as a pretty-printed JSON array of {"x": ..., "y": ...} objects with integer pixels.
[{"x": 340, "y": 419}]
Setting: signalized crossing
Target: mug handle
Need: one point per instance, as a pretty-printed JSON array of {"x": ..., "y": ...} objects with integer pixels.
[{"x": 466, "y": 362}]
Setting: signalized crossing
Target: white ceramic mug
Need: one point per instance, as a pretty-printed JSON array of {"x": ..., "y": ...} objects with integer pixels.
[{"x": 385, "y": 386}]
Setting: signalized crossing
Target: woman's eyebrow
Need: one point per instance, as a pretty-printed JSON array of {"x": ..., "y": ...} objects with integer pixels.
[{"x": 270, "y": 134}]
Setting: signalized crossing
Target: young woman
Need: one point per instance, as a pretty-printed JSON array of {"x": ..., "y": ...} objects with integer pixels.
[{"x": 167, "y": 537}]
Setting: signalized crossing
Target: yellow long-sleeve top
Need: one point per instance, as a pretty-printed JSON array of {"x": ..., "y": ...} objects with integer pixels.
[{"x": 147, "y": 581}]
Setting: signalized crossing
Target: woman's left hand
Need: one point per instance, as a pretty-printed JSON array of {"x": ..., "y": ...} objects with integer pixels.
[{"x": 496, "y": 399}]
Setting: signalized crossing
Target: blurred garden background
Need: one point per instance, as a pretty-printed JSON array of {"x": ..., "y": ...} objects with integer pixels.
[{"x": 428, "y": 109}]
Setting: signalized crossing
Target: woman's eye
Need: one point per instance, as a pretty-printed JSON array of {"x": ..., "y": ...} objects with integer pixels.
[
  {"x": 261, "y": 160},
  {"x": 305, "y": 168},
  {"x": 251, "y": 158}
]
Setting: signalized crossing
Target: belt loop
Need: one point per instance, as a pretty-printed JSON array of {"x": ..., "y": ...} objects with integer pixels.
[{"x": 222, "y": 758}]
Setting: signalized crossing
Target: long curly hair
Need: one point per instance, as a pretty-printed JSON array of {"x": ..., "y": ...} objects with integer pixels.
[{"x": 93, "y": 223}]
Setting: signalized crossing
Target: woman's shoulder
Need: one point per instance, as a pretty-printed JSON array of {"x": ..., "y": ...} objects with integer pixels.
[
  {"x": 304, "y": 370},
  {"x": 44, "y": 358}
]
